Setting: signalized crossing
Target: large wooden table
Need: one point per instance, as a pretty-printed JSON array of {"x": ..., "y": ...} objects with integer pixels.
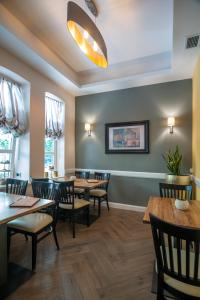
[
  {"x": 83, "y": 184},
  {"x": 164, "y": 208},
  {"x": 8, "y": 214}
]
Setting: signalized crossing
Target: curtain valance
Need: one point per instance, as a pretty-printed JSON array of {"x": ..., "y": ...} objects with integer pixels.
[
  {"x": 12, "y": 112},
  {"x": 54, "y": 117}
]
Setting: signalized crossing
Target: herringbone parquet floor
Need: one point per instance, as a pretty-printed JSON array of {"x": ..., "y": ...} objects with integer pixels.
[{"x": 110, "y": 260}]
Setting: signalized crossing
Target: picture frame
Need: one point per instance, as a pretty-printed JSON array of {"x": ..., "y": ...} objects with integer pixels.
[{"x": 127, "y": 137}]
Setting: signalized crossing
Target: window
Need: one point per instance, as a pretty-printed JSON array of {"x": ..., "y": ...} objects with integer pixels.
[
  {"x": 13, "y": 123},
  {"x": 7, "y": 151},
  {"x": 50, "y": 153},
  {"x": 54, "y": 128}
]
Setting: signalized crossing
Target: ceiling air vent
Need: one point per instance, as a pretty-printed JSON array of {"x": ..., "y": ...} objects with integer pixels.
[{"x": 192, "y": 41}]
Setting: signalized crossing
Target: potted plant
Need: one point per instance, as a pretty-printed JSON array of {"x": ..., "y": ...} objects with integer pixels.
[{"x": 173, "y": 161}]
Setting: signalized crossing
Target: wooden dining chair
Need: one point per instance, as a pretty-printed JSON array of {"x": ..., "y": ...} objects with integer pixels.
[
  {"x": 16, "y": 186},
  {"x": 178, "y": 270},
  {"x": 80, "y": 193},
  {"x": 36, "y": 223},
  {"x": 101, "y": 194},
  {"x": 82, "y": 174},
  {"x": 73, "y": 206},
  {"x": 182, "y": 192}
]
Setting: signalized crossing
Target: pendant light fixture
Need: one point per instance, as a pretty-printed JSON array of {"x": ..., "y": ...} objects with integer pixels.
[{"x": 86, "y": 34}]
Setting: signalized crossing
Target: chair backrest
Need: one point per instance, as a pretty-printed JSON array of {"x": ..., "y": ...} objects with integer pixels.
[
  {"x": 66, "y": 192},
  {"x": 183, "y": 192},
  {"x": 45, "y": 190},
  {"x": 82, "y": 174},
  {"x": 179, "y": 264},
  {"x": 16, "y": 186},
  {"x": 103, "y": 176},
  {"x": 41, "y": 179}
]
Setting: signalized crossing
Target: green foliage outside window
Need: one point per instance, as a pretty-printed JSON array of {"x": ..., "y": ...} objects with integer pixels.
[
  {"x": 49, "y": 145},
  {"x": 4, "y": 144}
]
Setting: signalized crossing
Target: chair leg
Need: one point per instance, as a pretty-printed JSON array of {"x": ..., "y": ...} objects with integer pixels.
[
  {"x": 160, "y": 295},
  {"x": 55, "y": 238},
  {"x": 99, "y": 207},
  {"x": 26, "y": 237},
  {"x": 73, "y": 226},
  {"x": 107, "y": 203},
  {"x": 34, "y": 251},
  {"x": 94, "y": 202},
  {"x": 8, "y": 243},
  {"x": 88, "y": 216}
]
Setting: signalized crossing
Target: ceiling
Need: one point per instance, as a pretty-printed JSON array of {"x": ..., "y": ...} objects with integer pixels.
[{"x": 145, "y": 40}]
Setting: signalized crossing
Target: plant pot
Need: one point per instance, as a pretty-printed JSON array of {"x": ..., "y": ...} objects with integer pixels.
[
  {"x": 181, "y": 204},
  {"x": 178, "y": 179}
]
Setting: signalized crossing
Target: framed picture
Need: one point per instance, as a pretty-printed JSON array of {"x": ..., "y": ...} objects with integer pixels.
[{"x": 127, "y": 137}]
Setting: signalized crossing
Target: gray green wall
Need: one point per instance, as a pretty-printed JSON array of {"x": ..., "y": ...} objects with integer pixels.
[{"x": 154, "y": 103}]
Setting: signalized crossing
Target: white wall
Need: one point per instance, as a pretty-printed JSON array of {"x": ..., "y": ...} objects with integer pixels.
[{"x": 40, "y": 84}]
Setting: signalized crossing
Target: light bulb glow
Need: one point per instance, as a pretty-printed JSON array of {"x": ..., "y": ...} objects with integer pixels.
[
  {"x": 171, "y": 121},
  {"x": 87, "y": 126},
  {"x": 95, "y": 46},
  {"x": 86, "y": 34},
  {"x": 83, "y": 48}
]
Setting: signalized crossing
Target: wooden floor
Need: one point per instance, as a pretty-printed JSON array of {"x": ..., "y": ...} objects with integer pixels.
[{"x": 110, "y": 260}]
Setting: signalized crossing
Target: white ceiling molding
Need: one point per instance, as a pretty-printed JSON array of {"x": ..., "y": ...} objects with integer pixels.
[
  {"x": 135, "y": 56},
  {"x": 126, "y": 69}
]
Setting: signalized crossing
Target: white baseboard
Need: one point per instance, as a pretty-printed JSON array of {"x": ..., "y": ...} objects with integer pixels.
[
  {"x": 136, "y": 174},
  {"x": 126, "y": 206}
]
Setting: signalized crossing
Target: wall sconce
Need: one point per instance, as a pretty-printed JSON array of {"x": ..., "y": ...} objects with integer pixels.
[
  {"x": 171, "y": 123},
  {"x": 88, "y": 128}
]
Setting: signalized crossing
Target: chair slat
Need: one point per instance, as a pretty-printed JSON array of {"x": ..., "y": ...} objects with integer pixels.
[
  {"x": 196, "y": 260},
  {"x": 179, "y": 256},
  {"x": 187, "y": 262},
  {"x": 163, "y": 249},
  {"x": 171, "y": 256}
]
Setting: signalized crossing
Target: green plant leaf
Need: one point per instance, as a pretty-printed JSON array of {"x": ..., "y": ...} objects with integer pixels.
[{"x": 173, "y": 161}]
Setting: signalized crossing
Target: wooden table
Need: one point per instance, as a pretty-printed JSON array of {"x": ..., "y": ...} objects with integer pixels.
[
  {"x": 8, "y": 214},
  {"x": 164, "y": 208},
  {"x": 83, "y": 184}
]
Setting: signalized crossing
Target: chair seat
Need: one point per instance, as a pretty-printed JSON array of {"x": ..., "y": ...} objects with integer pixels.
[
  {"x": 179, "y": 285},
  {"x": 79, "y": 191},
  {"x": 31, "y": 223},
  {"x": 98, "y": 193},
  {"x": 78, "y": 203}
]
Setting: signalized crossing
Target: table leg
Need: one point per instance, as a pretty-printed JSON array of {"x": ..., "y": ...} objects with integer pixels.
[
  {"x": 87, "y": 194},
  {"x": 3, "y": 254}
]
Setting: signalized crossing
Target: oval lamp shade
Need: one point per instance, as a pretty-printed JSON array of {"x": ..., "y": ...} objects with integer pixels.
[{"x": 86, "y": 35}]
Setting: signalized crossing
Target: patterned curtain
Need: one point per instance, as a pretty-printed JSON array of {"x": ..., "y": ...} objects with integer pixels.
[
  {"x": 54, "y": 117},
  {"x": 12, "y": 113}
]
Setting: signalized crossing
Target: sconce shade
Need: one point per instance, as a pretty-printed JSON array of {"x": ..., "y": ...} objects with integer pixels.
[
  {"x": 171, "y": 121},
  {"x": 87, "y": 127},
  {"x": 86, "y": 35}
]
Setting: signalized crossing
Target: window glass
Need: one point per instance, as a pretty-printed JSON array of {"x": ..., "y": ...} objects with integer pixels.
[
  {"x": 6, "y": 141},
  {"x": 49, "y": 157},
  {"x": 7, "y": 147}
]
